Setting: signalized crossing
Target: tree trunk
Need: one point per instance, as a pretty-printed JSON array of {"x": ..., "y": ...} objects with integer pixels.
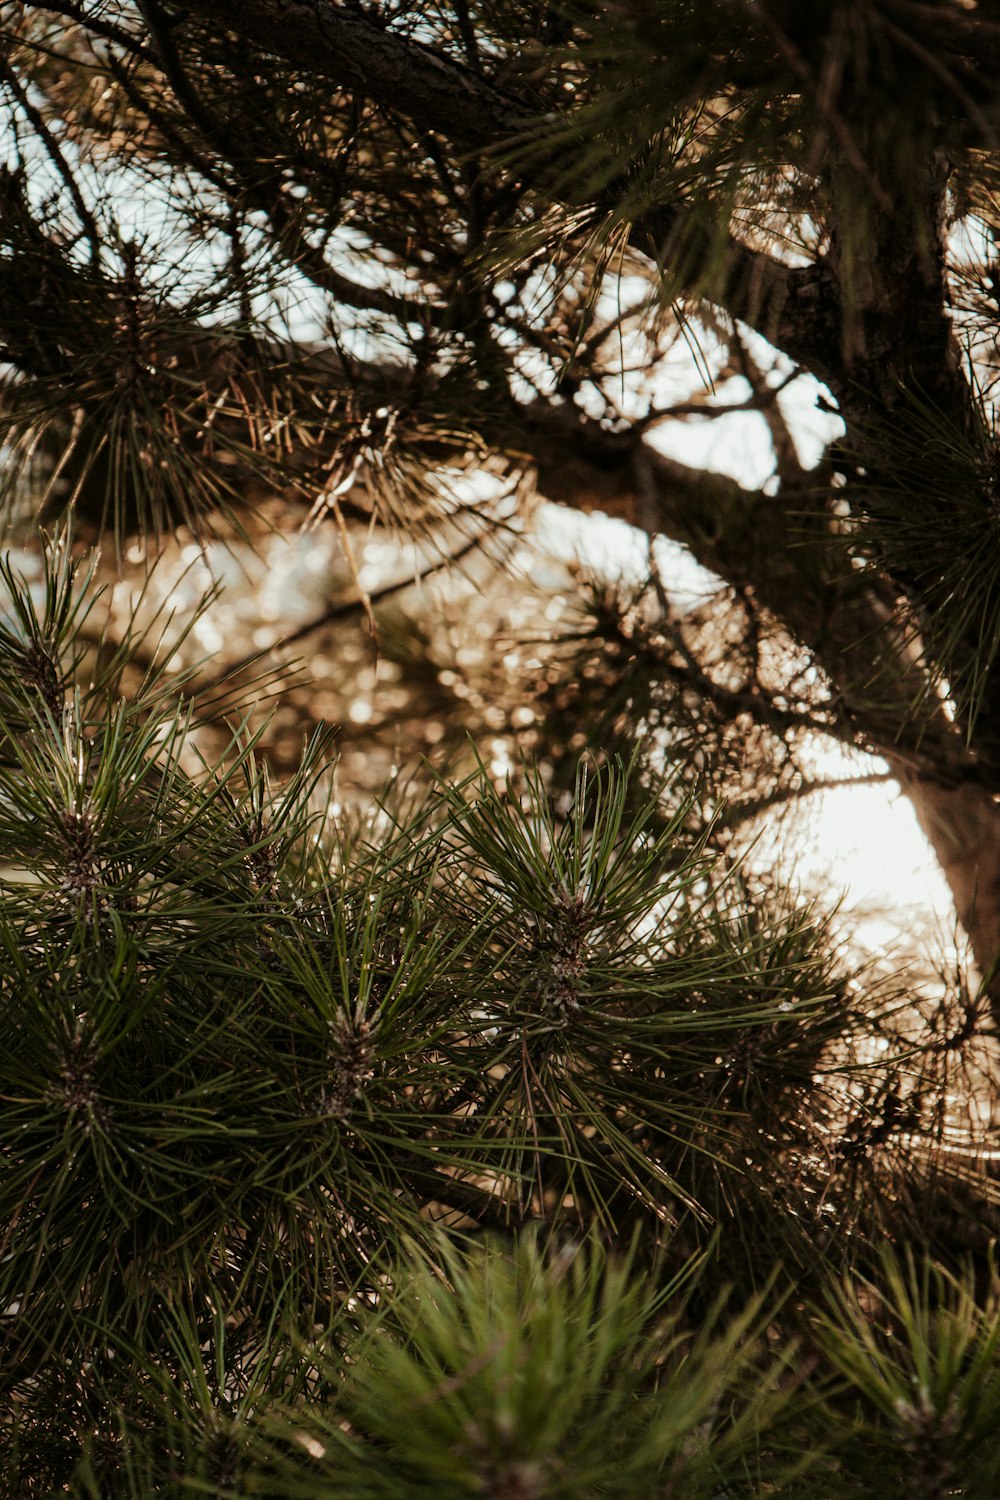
[{"x": 962, "y": 826}]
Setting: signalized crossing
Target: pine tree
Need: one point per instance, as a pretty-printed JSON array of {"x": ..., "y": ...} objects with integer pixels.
[{"x": 499, "y": 1130}]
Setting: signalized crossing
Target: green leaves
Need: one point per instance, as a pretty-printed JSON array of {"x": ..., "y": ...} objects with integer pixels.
[
  {"x": 635, "y": 1009},
  {"x": 924, "y": 508},
  {"x": 268, "y": 1072},
  {"x": 702, "y": 133},
  {"x": 512, "y": 1371},
  {"x": 918, "y": 1351}
]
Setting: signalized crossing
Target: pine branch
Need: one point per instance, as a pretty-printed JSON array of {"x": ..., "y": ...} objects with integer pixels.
[
  {"x": 785, "y": 548},
  {"x": 439, "y": 94},
  {"x": 763, "y": 398},
  {"x": 435, "y": 91},
  {"x": 90, "y": 18}
]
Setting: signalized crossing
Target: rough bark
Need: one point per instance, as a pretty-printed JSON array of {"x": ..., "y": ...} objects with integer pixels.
[
  {"x": 433, "y": 90},
  {"x": 962, "y": 826}
]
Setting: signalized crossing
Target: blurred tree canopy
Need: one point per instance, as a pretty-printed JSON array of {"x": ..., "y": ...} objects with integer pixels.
[{"x": 485, "y": 1123}]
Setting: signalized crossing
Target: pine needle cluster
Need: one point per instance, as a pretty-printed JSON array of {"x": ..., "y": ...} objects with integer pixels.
[{"x": 324, "y": 1138}]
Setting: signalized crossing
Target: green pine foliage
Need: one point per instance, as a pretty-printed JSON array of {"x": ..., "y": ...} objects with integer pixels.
[
  {"x": 498, "y": 1129},
  {"x": 319, "y": 1135}
]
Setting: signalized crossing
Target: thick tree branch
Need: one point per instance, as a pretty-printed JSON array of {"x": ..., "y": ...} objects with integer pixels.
[
  {"x": 793, "y": 306},
  {"x": 434, "y": 91},
  {"x": 785, "y": 548}
]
